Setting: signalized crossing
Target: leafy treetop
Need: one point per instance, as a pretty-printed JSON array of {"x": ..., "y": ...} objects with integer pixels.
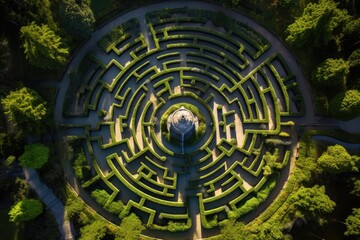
[
  {"x": 77, "y": 18},
  {"x": 319, "y": 23},
  {"x": 35, "y": 156},
  {"x": 312, "y": 202},
  {"x": 346, "y": 106},
  {"x": 332, "y": 72},
  {"x": 25, "y": 109},
  {"x": 337, "y": 160},
  {"x": 25, "y": 210},
  {"x": 352, "y": 223},
  {"x": 42, "y": 47}
]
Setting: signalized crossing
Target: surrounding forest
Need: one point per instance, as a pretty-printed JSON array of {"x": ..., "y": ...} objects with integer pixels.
[{"x": 38, "y": 39}]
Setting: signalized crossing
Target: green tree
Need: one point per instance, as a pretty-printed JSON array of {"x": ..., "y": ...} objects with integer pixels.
[
  {"x": 268, "y": 231},
  {"x": 337, "y": 160},
  {"x": 42, "y": 47},
  {"x": 319, "y": 23},
  {"x": 25, "y": 109},
  {"x": 346, "y": 106},
  {"x": 232, "y": 230},
  {"x": 354, "y": 58},
  {"x": 332, "y": 73},
  {"x": 96, "y": 230},
  {"x": 35, "y": 156},
  {"x": 352, "y": 223},
  {"x": 77, "y": 18},
  {"x": 311, "y": 203},
  {"x": 25, "y": 210},
  {"x": 130, "y": 228},
  {"x": 356, "y": 187}
]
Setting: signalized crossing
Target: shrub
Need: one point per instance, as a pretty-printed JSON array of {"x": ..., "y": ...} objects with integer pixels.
[
  {"x": 25, "y": 210},
  {"x": 346, "y": 105},
  {"x": 35, "y": 156},
  {"x": 100, "y": 196}
]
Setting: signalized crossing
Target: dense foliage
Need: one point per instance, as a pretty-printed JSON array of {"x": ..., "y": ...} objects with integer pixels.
[
  {"x": 94, "y": 231},
  {"x": 337, "y": 160},
  {"x": 346, "y": 105},
  {"x": 352, "y": 223},
  {"x": 319, "y": 23},
  {"x": 42, "y": 47},
  {"x": 312, "y": 203},
  {"x": 130, "y": 228},
  {"x": 25, "y": 109},
  {"x": 76, "y": 17},
  {"x": 332, "y": 72},
  {"x": 25, "y": 210},
  {"x": 35, "y": 156}
]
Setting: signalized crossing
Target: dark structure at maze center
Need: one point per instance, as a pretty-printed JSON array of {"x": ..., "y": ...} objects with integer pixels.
[{"x": 182, "y": 125}]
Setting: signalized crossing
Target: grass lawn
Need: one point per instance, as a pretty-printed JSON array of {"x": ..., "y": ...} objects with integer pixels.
[{"x": 13, "y": 231}]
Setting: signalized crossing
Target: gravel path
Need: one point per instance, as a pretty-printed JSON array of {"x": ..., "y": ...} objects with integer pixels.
[{"x": 51, "y": 201}]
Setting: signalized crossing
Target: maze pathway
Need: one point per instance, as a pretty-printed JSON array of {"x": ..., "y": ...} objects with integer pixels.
[{"x": 235, "y": 76}]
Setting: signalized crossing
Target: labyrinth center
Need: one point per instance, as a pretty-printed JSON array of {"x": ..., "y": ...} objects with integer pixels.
[{"x": 227, "y": 88}]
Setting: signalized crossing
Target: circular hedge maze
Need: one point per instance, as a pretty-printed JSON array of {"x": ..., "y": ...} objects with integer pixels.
[{"x": 132, "y": 71}]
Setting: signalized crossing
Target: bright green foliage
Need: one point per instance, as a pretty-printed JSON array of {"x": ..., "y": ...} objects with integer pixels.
[
  {"x": 271, "y": 162},
  {"x": 354, "y": 58},
  {"x": 353, "y": 27},
  {"x": 332, "y": 72},
  {"x": 100, "y": 196},
  {"x": 319, "y": 23},
  {"x": 25, "y": 210},
  {"x": 42, "y": 47},
  {"x": 80, "y": 166},
  {"x": 337, "y": 160},
  {"x": 76, "y": 209},
  {"x": 35, "y": 156},
  {"x": 356, "y": 188},
  {"x": 232, "y": 230},
  {"x": 77, "y": 18},
  {"x": 312, "y": 202},
  {"x": 94, "y": 231},
  {"x": 25, "y": 109},
  {"x": 267, "y": 231},
  {"x": 352, "y": 223},
  {"x": 346, "y": 106},
  {"x": 130, "y": 228}
]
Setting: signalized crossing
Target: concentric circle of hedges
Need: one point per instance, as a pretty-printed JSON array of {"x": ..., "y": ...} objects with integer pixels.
[{"x": 135, "y": 70}]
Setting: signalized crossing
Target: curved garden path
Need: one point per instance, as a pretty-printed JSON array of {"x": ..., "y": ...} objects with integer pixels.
[{"x": 52, "y": 203}]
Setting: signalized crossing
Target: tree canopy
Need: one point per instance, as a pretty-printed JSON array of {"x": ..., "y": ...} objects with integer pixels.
[
  {"x": 356, "y": 187},
  {"x": 232, "y": 230},
  {"x": 312, "y": 202},
  {"x": 96, "y": 230},
  {"x": 130, "y": 228},
  {"x": 25, "y": 210},
  {"x": 42, "y": 47},
  {"x": 346, "y": 106},
  {"x": 319, "y": 23},
  {"x": 337, "y": 160},
  {"x": 352, "y": 223},
  {"x": 35, "y": 156},
  {"x": 332, "y": 73},
  {"x": 77, "y": 18},
  {"x": 25, "y": 109}
]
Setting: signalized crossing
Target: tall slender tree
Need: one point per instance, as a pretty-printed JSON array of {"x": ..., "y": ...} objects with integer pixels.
[
  {"x": 25, "y": 109},
  {"x": 42, "y": 47}
]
